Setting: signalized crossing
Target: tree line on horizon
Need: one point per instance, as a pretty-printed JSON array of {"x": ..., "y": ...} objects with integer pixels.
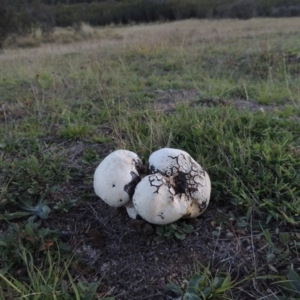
[{"x": 23, "y": 16}]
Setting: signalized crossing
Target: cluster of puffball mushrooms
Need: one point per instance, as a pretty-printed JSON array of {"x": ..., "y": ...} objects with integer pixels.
[{"x": 173, "y": 186}]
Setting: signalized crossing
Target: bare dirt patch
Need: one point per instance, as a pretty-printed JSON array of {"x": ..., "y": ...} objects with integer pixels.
[
  {"x": 132, "y": 265},
  {"x": 167, "y": 101}
]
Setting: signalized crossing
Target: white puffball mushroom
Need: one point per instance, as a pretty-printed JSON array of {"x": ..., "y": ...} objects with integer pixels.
[
  {"x": 131, "y": 211},
  {"x": 188, "y": 177},
  {"x": 156, "y": 201},
  {"x": 116, "y": 177},
  {"x": 177, "y": 187}
]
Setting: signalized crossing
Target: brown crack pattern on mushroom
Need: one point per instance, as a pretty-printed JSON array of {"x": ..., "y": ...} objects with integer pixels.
[
  {"x": 156, "y": 201},
  {"x": 186, "y": 174},
  {"x": 176, "y": 187},
  {"x": 186, "y": 177}
]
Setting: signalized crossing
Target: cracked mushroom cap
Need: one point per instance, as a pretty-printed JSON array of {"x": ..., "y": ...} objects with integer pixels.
[
  {"x": 188, "y": 177},
  {"x": 116, "y": 178},
  {"x": 156, "y": 201}
]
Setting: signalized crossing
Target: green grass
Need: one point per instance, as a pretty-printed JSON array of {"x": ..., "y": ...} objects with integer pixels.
[
  {"x": 43, "y": 264},
  {"x": 117, "y": 94},
  {"x": 204, "y": 285},
  {"x": 249, "y": 156}
]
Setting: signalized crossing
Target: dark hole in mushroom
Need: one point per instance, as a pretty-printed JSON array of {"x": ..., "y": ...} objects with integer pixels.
[
  {"x": 180, "y": 183},
  {"x": 203, "y": 204},
  {"x": 130, "y": 187},
  {"x": 152, "y": 169},
  {"x": 139, "y": 166},
  {"x": 113, "y": 185}
]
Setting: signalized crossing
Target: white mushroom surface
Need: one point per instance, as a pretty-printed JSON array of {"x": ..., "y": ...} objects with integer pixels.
[
  {"x": 177, "y": 187},
  {"x": 156, "y": 201},
  {"x": 187, "y": 178},
  {"x": 116, "y": 177}
]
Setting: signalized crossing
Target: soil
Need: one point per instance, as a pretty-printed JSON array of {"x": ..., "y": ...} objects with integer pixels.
[
  {"x": 167, "y": 101},
  {"x": 123, "y": 253}
]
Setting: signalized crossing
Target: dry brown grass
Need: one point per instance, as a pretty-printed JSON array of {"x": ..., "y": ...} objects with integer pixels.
[{"x": 183, "y": 33}]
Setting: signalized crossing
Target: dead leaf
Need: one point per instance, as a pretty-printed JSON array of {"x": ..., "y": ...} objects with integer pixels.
[
  {"x": 273, "y": 268},
  {"x": 47, "y": 245}
]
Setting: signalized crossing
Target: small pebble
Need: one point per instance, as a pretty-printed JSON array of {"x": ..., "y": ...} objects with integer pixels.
[{"x": 229, "y": 234}]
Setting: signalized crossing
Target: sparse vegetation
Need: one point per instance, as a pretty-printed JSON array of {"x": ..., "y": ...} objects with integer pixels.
[
  {"x": 203, "y": 285},
  {"x": 42, "y": 264},
  {"x": 176, "y": 230},
  {"x": 225, "y": 91}
]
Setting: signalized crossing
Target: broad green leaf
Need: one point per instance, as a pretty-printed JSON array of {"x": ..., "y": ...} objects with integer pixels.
[
  {"x": 180, "y": 235},
  {"x": 217, "y": 282},
  {"x": 44, "y": 232},
  {"x": 174, "y": 288},
  {"x": 188, "y": 228},
  {"x": 159, "y": 239},
  {"x": 168, "y": 233},
  {"x": 226, "y": 284},
  {"x": 284, "y": 237},
  {"x": 3, "y": 244},
  {"x": 87, "y": 290},
  {"x": 194, "y": 283},
  {"x": 43, "y": 212},
  {"x": 29, "y": 230},
  {"x": 190, "y": 296},
  {"x": 16, "y": 215},
  {"x": 173, "y": 226},
  {"x": 295, "y": 280},
  {"x": 242, "y": 223},
  {"x": 286, "y": 284},
  {"x": 206, "y": 292},
  {"x": 64, "y": 286},
  {"x": 284, "y": 255},
  {"x": 160, "y": 230},
  {"x": 63, "y": 246},
  {"x": 270, "y": 256},
  {"x": 3, "y": 271}
]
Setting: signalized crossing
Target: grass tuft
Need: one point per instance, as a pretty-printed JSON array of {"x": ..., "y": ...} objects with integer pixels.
[{"x": 225, "y": 91}]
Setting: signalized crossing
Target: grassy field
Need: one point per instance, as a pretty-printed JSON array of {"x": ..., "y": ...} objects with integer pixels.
[{"x": 227, "y": 92}]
